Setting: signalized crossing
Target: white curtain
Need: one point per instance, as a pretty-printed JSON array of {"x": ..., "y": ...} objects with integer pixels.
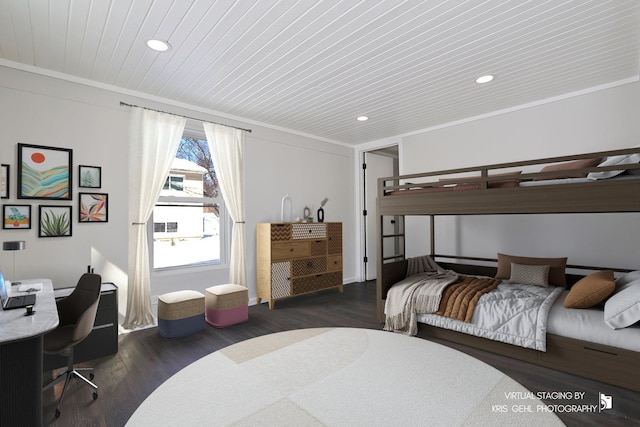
[
  {"x": 226, "y": 144},
  {"x": 153, "y": 142}
]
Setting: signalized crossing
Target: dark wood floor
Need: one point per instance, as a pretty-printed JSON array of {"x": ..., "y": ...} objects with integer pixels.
[{"x": 145, "y": 360}]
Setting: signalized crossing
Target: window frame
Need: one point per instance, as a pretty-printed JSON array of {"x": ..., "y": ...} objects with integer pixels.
[{"x": 225, "y": 225}]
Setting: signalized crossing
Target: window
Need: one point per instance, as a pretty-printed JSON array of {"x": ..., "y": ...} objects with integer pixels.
[{"x": 187, "y": 218}]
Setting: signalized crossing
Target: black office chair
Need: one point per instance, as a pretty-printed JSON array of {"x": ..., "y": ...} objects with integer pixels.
[{"x": 76, "y": 314}]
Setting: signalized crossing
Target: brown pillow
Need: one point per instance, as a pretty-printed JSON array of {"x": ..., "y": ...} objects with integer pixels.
[
  {"x": 591, "y": 290},
  {"x": 556, "y": 272},
  {"x": 491, "y": 184},
  {"x": 506, "y": 183},
  {"x": 569, "y": 166}
]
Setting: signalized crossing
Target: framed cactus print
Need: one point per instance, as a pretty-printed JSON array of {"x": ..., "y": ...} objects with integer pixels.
[{"x": 55, "y": 221}]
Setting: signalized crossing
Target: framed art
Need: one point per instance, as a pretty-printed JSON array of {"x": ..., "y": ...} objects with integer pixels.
[
  {"x": 16, "y": 217},
  {"x": 89, "y": 176},
  {"x": 44, "y": 172},
  {"x": 4, "y": 182},
  {"x": 94, "y": 207},
  {"x": 55, "y": 221}
]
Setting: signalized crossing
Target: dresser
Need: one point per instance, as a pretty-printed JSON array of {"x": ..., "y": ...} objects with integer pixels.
[{"x": 297, "y": 258}]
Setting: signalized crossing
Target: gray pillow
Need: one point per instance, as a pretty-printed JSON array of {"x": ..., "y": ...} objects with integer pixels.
[
  {"x": 613, "y": 161},
  {"x": 530, "y": 274},
  {"x": 623, "y": 308}
]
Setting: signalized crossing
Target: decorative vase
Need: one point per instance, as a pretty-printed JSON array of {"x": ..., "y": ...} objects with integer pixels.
[{"x": 320, "y": 215}]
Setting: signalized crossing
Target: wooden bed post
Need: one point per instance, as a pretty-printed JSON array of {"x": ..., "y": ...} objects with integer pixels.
[{"x": 432, "y": 220}]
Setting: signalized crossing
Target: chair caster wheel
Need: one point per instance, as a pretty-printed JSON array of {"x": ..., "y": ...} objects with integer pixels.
[
  {"x": 57, "y": 413},
  {"x": 95, "y": 395}
]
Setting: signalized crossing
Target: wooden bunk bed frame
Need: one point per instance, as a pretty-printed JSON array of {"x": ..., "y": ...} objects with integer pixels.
[{"x": 599, "y": 362}]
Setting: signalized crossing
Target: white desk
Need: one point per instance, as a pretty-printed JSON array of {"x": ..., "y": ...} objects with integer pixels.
[{"x": 21, "y": 357}]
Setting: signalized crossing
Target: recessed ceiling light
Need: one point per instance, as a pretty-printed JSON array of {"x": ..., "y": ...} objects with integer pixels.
[
  {"x": 158, "y": 45},
  {"x": 484, "y": 79},
  {"x": 362, "y": 118}
]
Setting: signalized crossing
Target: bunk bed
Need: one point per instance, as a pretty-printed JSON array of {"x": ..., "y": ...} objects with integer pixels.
[{"x": 599, "y": 182}]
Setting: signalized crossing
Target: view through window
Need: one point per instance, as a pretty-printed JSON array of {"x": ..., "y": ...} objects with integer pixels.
[{"x": 187, "y": 226}]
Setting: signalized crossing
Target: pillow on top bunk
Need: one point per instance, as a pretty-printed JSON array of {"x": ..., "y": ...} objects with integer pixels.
[
  {"x": 613, "y": 161},
  {"x": 557, "y": 267},
  {"x": 623, "y": 308},
  {"x": 591, "y": 290},
  {"x": 530, "y": 274},
  {"x": 569, "y": 167},
  {"x": 492, "y": 184}
]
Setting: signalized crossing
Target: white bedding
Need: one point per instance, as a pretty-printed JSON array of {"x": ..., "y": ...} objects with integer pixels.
[
  {"x": 588, "y": 325},
  {"x": 571, "y": 180},
  {"x": 512, "y": 313}
]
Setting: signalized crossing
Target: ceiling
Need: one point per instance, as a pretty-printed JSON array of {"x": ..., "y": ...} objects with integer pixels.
[{"x": 314, "y": 66}]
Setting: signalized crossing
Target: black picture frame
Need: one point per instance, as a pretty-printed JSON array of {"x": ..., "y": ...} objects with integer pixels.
[
  {"x": 37, "y": 162},
  {"x": 89, "y": 176},
  {"x": 5, "y": 181},
  {"x": 16, "y": 217},
  {"x": 93, "y": 207},
  {"x": 55, "y": 221}
]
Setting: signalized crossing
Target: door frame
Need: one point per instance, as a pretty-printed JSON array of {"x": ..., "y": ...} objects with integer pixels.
[{"x": 391, "y": 150}]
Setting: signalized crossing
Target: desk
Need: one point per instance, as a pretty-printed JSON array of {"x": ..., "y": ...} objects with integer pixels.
[{"x": 21, "y": 358}]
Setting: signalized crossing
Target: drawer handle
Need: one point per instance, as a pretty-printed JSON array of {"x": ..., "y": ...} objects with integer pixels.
[
  {"x": 309, "y": 264},
  {"x": 291, "y": 250}
]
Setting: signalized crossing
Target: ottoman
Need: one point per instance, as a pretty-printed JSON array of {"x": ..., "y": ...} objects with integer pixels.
[
  {"x": 180, "y": 313},
  {"x": 226, "y": 305}
]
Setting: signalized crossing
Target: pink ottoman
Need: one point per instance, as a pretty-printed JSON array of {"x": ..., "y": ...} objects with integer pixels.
[{"x": 226, "y": 305}]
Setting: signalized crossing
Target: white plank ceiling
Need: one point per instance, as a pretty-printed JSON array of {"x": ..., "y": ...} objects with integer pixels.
[{"x": 314, "y": 66}]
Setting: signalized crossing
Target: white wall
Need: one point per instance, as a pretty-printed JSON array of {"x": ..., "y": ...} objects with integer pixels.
[
  {"x": 596, "y": 121},
  {"x": 48, "y": 111}
]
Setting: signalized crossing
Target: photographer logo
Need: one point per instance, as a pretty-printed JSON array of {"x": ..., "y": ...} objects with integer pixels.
[{"x": 606, "y": 402}]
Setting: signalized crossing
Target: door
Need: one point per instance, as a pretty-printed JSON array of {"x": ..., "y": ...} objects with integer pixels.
[{"x": 376, "y": 164}]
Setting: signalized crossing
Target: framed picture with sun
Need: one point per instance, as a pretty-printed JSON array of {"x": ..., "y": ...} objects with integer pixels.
[{"x": 44, "y": 172}]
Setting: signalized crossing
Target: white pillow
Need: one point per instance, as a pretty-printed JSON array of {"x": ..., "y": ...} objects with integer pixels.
[
  {"x": 530, "y": 274},
  {"x": 623, "y": 308},
  {"x": 613, "y": 161},
  {"x": 625, "y": 279}
]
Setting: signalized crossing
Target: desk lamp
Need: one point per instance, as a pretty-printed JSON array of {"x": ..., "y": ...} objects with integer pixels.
[{"x": 14, "y": 246}]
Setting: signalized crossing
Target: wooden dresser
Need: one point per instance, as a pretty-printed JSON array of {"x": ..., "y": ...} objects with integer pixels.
[{"x": 297, "y": 258}]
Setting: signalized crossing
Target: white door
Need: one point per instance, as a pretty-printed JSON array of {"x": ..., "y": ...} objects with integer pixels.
[{"x": 379, "y": 164}]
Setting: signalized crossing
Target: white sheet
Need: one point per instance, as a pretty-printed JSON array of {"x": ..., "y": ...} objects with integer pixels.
[{"x": 588, "y": 325}]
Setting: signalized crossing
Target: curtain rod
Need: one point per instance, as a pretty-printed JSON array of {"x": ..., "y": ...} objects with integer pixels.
[{"x": 186, "y": 117}]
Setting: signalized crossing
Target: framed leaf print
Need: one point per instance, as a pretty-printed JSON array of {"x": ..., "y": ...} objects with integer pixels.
[
  {"x": 89, "y": 176},
  {"x": 44, "y": 172},
  {"x": 94, "y": 207},
  {"x": 16, "y": 217},
  {"x": 55, "y": 221},
  {"x": 4, "y": 181}
]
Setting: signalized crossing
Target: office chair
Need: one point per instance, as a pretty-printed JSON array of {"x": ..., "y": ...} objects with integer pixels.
[{"x": 76, "y": 314}]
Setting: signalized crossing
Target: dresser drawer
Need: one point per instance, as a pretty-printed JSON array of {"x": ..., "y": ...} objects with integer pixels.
[
  {"x": 280, "y": 279},
  {"x": 289, "y": 250},
  {"x": 316, "y": 283},
  {"x": 303, "y": 267},
  {"x": 280, "y": 232},
  {"x": 334, "y": 263},
  {"x": 308, "y": 231},
  {"x": 318, "y": 247}
]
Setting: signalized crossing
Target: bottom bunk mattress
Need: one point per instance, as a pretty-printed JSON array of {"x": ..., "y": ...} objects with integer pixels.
[
  {"x": 588, "y": 324},
  {"x": 511, "y": 313}
]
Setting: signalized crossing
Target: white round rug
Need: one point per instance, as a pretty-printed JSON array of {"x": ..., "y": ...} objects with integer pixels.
[{"x": 340, "y": 377}]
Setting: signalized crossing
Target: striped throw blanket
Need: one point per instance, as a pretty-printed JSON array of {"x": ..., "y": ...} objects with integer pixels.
[
  {"x": 417, "y": 294},
  {"x": 459, "y": 300}
]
